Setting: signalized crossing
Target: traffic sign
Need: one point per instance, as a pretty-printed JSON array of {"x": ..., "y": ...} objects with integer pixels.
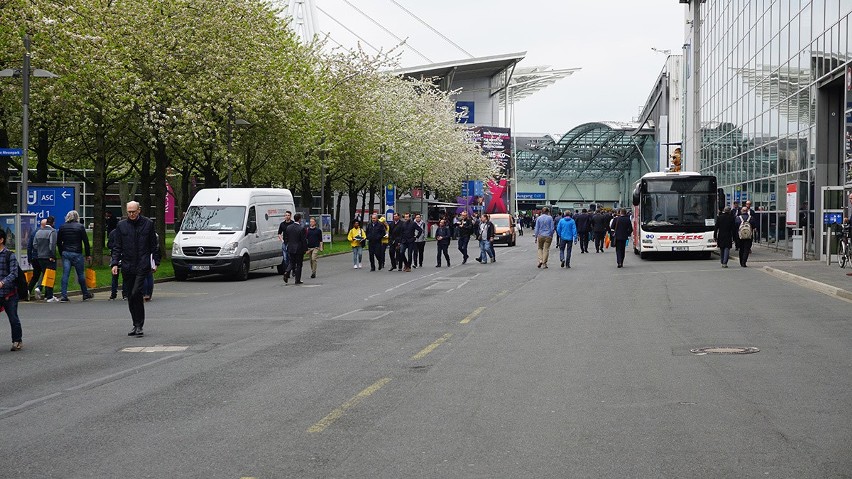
[
  {"x": 11, "y": 152},
  {"x": 389, "y": 194},
  {"x": 51, "y": 200}
]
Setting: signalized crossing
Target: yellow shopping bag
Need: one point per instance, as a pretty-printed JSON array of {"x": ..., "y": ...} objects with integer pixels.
[
  {"x": 91, "y": 278},
  {"x": 49, "y": 278},
  {"x": 28, "y": 275}
]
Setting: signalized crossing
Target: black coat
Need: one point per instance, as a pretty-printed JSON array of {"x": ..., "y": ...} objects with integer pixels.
[
  {"x": 724, "y": 231},
  {"x": 297, "y": 241},
  {"x": 410, "y": 231},
  {"x": 623, "y": 228},
  {"x": 376, "y": 231},
  {"x": 584, "y": 222},
  {"x": 445, "y": 234},
  {"x": 135, "y": 246},
  {"x": 395, "y": 231},
  {"x": 600, "y": 223}
]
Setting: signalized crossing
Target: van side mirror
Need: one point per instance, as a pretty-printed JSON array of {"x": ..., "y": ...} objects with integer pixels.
[{"x": 251, "y": 228}]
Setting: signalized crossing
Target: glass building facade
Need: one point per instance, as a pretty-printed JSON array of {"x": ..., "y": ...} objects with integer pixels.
[{"x": 773, "y": 79}]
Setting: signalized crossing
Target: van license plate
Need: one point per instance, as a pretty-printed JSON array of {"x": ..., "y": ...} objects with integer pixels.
[
  {"x": 201, "y": 267},
  {"x": 680, "y": 248}
]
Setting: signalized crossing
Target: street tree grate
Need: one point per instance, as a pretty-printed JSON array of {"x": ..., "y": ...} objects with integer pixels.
[{"x": 723, "y": 350}]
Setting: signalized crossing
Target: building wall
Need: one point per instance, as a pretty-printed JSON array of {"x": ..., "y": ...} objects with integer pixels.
[
  {"x": 486, "y": 107},
  {"x": 764, "y": 65}
]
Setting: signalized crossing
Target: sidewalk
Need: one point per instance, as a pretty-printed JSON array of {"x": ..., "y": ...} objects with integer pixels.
[{"x": 812, "y": 274}]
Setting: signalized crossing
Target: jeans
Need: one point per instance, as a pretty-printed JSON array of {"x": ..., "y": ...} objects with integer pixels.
[
  {"x": 10, "y": 304},
  {"x": 356, "y": 255},
  {"x": 563, "y": 246},
  {"x": 463, "y": 242},
  {"x": 442, "y": 249},
  {"x": 114, "y": 286},
  {"x": 149, "y": 285},
  {"x": 726, "y": 255},
  {"x": 485, "y": 250},
  {"x": 79, "y": 262},
  {"x": 406, "y": 250}
]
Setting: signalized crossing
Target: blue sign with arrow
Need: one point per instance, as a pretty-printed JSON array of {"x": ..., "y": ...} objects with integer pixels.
[{"x": 51, "y": 200}]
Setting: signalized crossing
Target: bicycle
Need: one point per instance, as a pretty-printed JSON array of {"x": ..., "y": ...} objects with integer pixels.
[{"x": 844, "y": 250}]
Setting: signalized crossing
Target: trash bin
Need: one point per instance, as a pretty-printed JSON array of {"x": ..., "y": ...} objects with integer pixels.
[{"x": 798, "y": 244}]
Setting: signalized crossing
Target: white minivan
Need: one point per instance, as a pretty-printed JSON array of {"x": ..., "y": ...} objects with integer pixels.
[{"x": 231, "y": 231}]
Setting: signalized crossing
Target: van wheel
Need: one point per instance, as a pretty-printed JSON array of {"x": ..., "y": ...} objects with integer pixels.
[
  {"x": 181, "y": 275},
  {"x": 243, "y": 273}
]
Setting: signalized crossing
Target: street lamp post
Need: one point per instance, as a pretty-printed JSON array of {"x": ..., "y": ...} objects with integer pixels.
[
  {"x": 25, "y": 73},
  {"x": 382, "y": 177},
  {"x": 230, "y": 134}
]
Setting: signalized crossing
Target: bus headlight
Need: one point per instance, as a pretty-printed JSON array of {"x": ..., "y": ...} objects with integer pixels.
[{"x": 229, "y": 249}]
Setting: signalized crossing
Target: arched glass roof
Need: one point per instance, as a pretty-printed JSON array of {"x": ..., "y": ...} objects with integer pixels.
[{"x": 591, "y": 151}]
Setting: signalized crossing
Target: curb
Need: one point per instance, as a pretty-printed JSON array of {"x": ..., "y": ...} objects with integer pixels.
[{"x": 823, "y": 288}]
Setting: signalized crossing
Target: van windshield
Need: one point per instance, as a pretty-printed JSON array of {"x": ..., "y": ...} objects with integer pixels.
[
  {"x": 214, "y": 218},
  {"x": 500, "y": 222}
]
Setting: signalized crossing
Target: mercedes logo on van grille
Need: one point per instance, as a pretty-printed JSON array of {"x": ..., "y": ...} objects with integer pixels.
[{"x": 199, "y": 251}]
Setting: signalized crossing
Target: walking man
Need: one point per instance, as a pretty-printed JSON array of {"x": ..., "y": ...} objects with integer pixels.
[
  {"x": 464, "y": 229},
  {"x": 395, "y": 236},
  {"x": 32, "y": 254},
  {"x": 409, "y": 231},
  {"x": 313, "y": 238},
  {"x": 442, "y": 236},
  {"x": 724, "y": 234},
  {"x": 285, "y": 260},
  {"x": 294, "y": 237},
  {"x": 584, "y": 227},
  {"x": 419, "y": 241},
  {"x": 622, "y": 229},
  {"x": 485, "y": 234},
  {"x": 72, "y": 240},
  {"x": 45, "y": 246},
  {"x": 543, "y": 234},
  {"x": 600, "y": 224},
  {"x": 9, "y": 291},
  {"x": 566, "y": 232},
  {"x": 137, "y": 252},
  {"x": 375, "y": 235},
  {"x": 746, "y": 224}
]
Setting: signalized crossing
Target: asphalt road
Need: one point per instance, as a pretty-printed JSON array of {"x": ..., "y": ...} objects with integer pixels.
[{"x": 498, "y": 370}]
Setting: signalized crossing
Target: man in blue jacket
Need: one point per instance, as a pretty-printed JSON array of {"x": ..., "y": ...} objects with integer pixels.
[{"x": 566, "y": 231}]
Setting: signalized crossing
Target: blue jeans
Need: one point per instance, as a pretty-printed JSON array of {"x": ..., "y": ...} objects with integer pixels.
[
  {"x": 10, "y": 305},
  {"x": 563, "y": 246},
  {"x": 463, "y": 241},
  {"x": 73, "y": 259},
  {"x": 148, "y": 285},
  {"x": 485, "y": 250},
  {"x": 356, "y": 255},
  {"x": 726, "y": 255}
]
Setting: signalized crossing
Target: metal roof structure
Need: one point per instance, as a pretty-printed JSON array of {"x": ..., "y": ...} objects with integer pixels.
[
  {"x": 591, "y": 151},
  {"x": 528, "y": 80},
  {"x": 446, "y": 73}
]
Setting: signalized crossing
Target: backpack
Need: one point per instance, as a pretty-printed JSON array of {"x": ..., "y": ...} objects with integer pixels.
[
  {"x": 20, "y": 281},
  {"x": 744, "y": 230}
]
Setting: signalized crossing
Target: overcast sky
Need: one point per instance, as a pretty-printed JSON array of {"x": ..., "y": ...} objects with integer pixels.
[{"x": 610, "y": 40}]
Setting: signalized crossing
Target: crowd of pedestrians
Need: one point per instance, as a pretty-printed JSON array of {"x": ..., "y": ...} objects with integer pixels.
[{"x": 736, "y": 227}]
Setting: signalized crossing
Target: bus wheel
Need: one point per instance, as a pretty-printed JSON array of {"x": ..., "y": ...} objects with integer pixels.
[{"x": 643, "y": 255}]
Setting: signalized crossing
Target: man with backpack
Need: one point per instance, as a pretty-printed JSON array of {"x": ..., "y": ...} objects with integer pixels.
[
  {"x": 746, "y": 223},
  {"x": 10, "y": 276}
]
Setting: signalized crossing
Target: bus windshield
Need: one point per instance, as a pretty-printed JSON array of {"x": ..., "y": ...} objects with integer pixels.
[
  {"x": 678, "y": 205},
  {"x": 214, "y": 218}
]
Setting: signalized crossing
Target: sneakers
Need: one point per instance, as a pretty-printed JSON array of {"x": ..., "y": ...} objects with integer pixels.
[
  {"x": 133, "y": 331},
  {"x": 112, "y": 297},
  {"x": 354, "y": 266},
  {"x": 64, "y": 299},
  {"x": 493, "y": 260},
  {"x": 17, "y": 345},
  {"x": 563, "y": 265},
  {"x": 90, "y": 296},
  {"x": 37, "y": 293},
  {"x": 52, "y": 299},
  {"x": 313, "y": 275}
]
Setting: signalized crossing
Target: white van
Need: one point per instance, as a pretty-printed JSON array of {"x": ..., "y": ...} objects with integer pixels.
[{"x": 231, "y": 231}]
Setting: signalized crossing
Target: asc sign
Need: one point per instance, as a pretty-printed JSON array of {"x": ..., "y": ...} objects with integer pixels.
[{"x": 51, "y": 200}]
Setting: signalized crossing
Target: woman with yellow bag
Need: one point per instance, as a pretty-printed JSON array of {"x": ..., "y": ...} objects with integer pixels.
[{"x": 45, "y": 246}]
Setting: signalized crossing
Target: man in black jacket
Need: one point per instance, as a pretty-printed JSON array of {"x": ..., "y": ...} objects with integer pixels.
[
  {"x": 137, "y": 252},
  {"x": 394, "y": 236},
  {"x": 584, "y": 227},
  {"x": 409, "y": 231},
  {"x": 375, "y": 234},
  {"x": 464, "y": 230},
  {"x": 297, "y": 245},
  {"x": 622, "y": 228},
  {"x": 72, "y": 240},
  {"x": 600, "y": 225}
]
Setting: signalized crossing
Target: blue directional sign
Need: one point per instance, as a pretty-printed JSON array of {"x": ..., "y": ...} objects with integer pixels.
[
  {"x": 11, "y": 152},
  {"x": 389, "y": 194},
  {"x": 51, "y": 200}
]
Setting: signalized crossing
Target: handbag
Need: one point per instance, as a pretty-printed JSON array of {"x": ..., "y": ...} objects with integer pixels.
[
  {"x": 91, "y": 278},
  {"x": 606, "y": 241},
  {"x": 49, "y": 278}
]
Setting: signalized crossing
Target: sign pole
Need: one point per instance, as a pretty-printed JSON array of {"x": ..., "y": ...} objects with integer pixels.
[{"x": 25, "y": 74}]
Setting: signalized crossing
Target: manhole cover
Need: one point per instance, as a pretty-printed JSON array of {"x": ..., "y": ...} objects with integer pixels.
[{"x": 724, "y": 350}]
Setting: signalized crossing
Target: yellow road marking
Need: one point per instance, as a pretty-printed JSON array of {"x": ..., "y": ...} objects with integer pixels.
[
  {"x": 338, "y": 413},
  {"x": 472, "y": 315},
  {"x": 428, "y": 349},
  {"x": 500, "y": 294}
]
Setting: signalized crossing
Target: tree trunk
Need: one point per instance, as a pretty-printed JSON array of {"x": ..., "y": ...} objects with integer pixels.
[
  {"x": 353, "y": 199},
  {"x": 42, "y": 153},
  {"x": 337, "y": 216},
  {"x": 306, "y": 196},
  {"x": 161, "y": 164},
  {"x": 98, "y": 197},
  {"x": 145, "y": 184},
  {"x": 373, "y": 191}
]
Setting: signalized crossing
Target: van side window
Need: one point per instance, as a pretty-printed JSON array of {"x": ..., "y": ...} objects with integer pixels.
[{"x": 252, "y": 219}]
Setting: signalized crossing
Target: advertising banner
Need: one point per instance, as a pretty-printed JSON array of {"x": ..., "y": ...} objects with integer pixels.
[
  {"x": 496, "y": 145},
  {"x": 325, "y": 226},
  {"x": 792, "y": 204},
  {"x": 170, "y": 204}
]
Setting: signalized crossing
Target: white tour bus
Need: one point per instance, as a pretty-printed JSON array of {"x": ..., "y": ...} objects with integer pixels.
[
  {"x": 675, "y": 212},
  {"x": 231, "y": 231}
]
